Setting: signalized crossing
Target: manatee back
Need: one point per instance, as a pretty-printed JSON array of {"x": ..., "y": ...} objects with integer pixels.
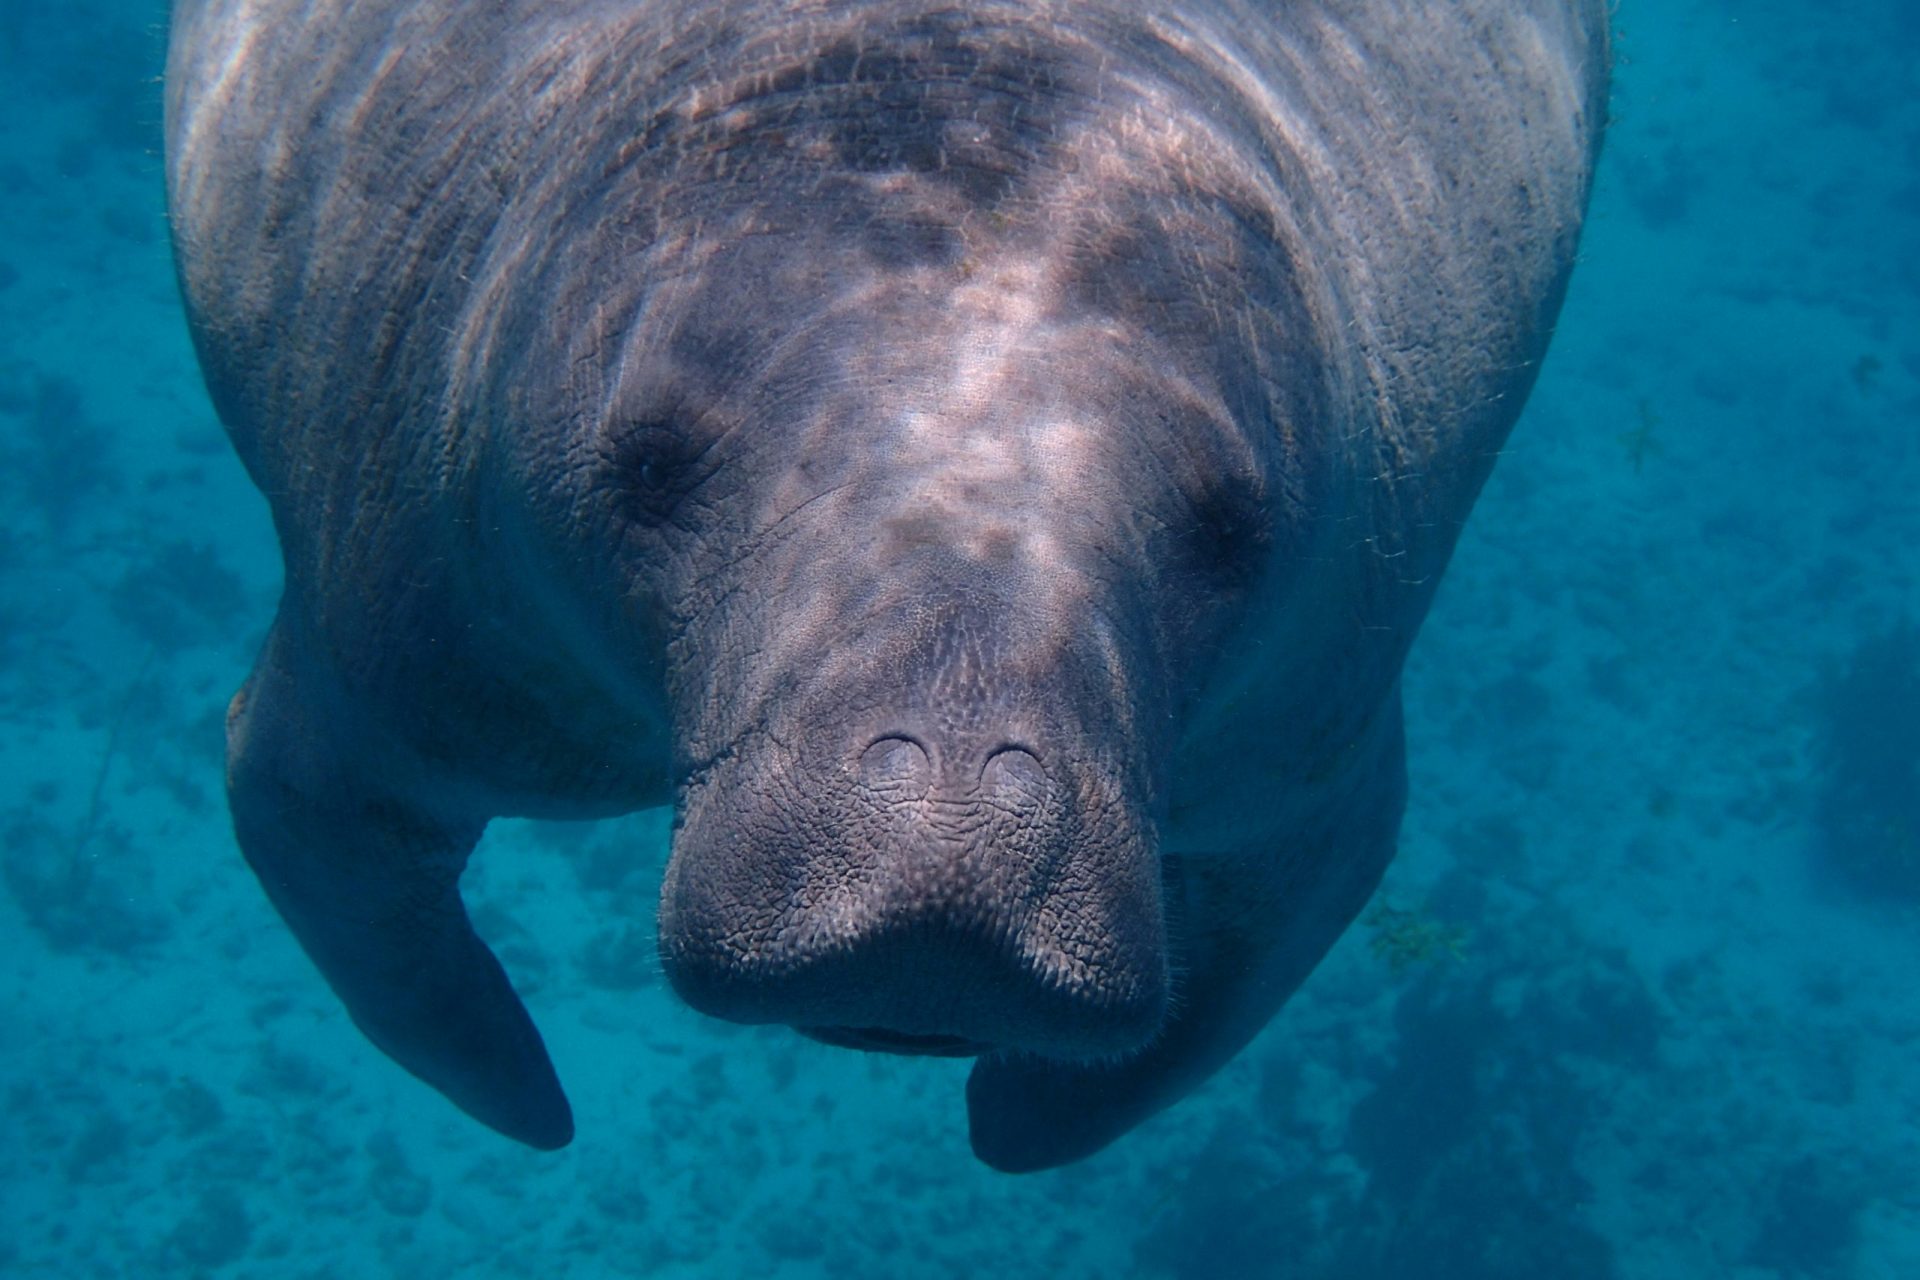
[
  {"x": 1443, "y": 155},
  {"x": 328, "y": 179},
  {"x": 335, "y": 170}
]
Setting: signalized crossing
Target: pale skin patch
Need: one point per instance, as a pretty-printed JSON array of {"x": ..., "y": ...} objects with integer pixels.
[{"x": 962, "y": 455}]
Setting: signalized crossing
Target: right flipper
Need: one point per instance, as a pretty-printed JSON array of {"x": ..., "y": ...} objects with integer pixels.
[{"x": 367, "y": 878}]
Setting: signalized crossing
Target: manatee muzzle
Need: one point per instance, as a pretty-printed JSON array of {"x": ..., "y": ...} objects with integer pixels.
[{"x": 926, "y": 889}]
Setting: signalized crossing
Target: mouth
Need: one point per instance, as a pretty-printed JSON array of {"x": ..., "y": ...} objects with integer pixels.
[{"x": 881, "y": 1040}]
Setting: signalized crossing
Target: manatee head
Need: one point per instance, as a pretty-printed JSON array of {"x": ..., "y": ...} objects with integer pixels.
[{"x": 933, "y": 467}]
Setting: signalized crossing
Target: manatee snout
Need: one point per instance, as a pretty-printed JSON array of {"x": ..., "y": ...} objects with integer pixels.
[{"x": 921, "y": 873}]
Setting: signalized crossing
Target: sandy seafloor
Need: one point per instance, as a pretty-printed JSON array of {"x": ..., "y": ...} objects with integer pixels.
[{"x": 1678, "y": 1040}]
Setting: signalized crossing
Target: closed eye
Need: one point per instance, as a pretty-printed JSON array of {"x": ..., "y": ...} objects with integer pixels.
[
  {"x": 652, "y": 464},
  {"x": 1231, "y": 533}
]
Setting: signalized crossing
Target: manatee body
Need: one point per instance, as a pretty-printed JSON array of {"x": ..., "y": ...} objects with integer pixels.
[{"x": 983, "y": 465}]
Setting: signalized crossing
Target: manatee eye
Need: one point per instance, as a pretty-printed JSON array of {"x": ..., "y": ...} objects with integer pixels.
[
  {"x": 1231, "y": 533},
  {"x": 652, "y": 465}
]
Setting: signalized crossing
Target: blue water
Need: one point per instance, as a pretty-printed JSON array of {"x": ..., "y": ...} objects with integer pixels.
[{"x": 1664, "y": 830}]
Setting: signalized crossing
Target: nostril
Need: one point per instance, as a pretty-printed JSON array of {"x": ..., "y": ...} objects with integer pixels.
[
  {"x": 896, "y": 769},
  {"x": 1014, "y": 779}
]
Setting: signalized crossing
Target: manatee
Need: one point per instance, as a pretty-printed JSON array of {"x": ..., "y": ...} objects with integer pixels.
[{"x": 982, "y": 465}]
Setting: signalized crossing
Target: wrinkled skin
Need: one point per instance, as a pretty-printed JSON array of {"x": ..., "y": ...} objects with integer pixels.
[{"x": 984, "y": 466}]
